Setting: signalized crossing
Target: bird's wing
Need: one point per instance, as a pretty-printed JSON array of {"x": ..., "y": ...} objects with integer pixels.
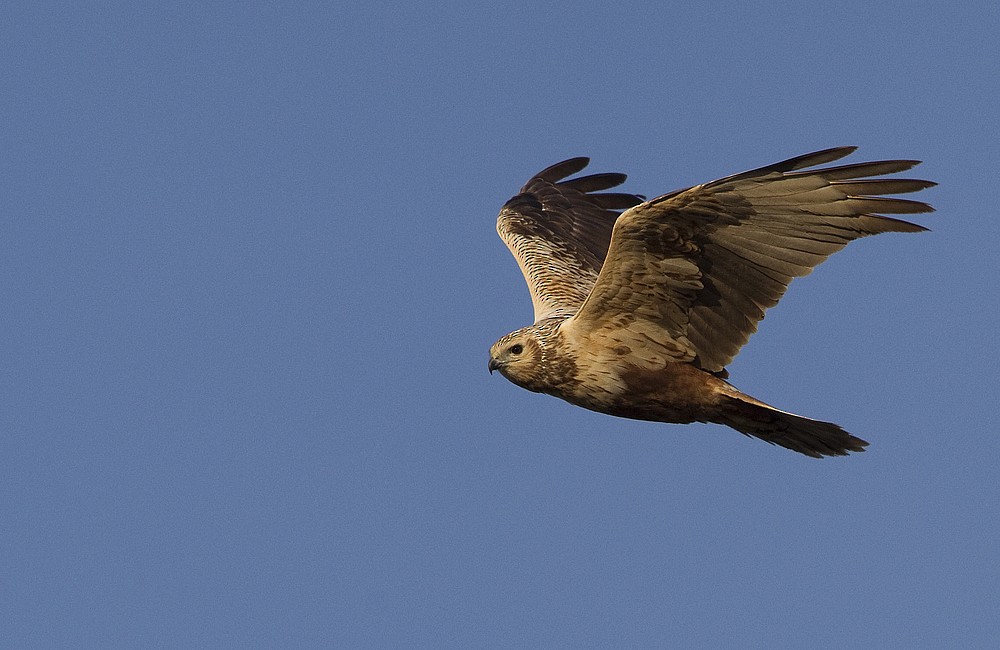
[
  {"x": 559, "y": 231},
  {"x": 689, "y": 274}
]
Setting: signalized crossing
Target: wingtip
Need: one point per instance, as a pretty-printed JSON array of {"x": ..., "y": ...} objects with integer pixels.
[
  {"x": 902, "y": 165},
  {"x": 820, "y": 157},
  {"x": 561, "y": 170}
]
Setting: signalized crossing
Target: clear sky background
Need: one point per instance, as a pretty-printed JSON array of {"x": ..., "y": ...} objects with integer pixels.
[{"x": 250, "y": 278}]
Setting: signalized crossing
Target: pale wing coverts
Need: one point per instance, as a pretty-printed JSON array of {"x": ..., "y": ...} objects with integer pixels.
[{"x": 688, "y": 275}]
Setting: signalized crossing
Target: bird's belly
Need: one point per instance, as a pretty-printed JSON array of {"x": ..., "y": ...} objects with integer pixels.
[{"x": 679, "y": 393}]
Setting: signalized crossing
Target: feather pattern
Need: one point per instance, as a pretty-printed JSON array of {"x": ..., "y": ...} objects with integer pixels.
[
  {"x": 640, "y": 305},
  {"x": 559, "y": 233},
  {"x": 703, "y": 264}
]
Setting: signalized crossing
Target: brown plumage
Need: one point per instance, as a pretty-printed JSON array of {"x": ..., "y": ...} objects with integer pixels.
[{"x": 640, "y": 305}]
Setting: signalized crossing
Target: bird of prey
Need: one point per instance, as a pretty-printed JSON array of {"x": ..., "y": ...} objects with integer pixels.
[{"x": 640, "y": 305}]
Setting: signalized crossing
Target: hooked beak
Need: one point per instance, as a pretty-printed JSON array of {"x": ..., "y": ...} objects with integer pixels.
[{"x": 494, "y": 365}]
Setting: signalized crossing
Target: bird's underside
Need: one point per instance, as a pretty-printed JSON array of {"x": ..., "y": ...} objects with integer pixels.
[{"x": 640, "y": 305}]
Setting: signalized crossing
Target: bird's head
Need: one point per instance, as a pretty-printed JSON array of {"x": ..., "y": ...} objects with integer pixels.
[{"x": 518, "y": 357}]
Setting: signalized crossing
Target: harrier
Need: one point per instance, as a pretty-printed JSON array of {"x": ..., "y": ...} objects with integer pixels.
[{"x": 640, "y": 305}]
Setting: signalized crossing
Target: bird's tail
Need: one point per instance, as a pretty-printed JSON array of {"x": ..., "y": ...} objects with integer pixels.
[{"x": 804, "y": 435}]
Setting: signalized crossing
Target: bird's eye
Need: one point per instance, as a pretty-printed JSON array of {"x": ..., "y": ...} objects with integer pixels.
[{"x": 516, "y": 348}]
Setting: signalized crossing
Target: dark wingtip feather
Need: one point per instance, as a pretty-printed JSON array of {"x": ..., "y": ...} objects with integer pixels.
[
  {"x": 595, "y": 182},
  {"x": 587, "y": 186},
  {"x": 812, "y": 159},
  {"x": 616, "y": 201},
  {"x": 876, "y": 223},
  {"x": 561, "y": 170},
  {"x": 790, "y": 165},
  {"x": 861, "y": 170}
]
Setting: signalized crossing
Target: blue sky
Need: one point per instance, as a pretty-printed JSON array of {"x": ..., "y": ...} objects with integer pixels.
[{"x": 251, "y": 277}]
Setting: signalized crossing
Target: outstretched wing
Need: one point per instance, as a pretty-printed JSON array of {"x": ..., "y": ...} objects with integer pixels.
[
  {"x": 689, "y": 274},
  {"x": 559, "y": 233}
]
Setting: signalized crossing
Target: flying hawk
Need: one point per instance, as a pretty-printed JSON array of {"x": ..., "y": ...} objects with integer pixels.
[{"x": 640, "y": 305}]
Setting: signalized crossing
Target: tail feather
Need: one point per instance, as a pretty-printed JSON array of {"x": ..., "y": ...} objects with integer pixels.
[{"x": 810, "y": 437}]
